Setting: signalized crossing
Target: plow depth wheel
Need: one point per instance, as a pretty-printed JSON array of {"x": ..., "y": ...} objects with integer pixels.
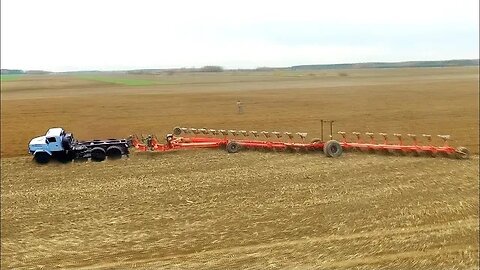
[
  {"x": 177, "y": 131},
  {"x": 233, "y": 147},
  {"x": 332, "y": 148}
]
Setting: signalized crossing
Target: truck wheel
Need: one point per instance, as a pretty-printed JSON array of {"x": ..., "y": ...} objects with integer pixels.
[
  {"x": 42, "y": 157},
  {"x": 332, "y": 148},
  {"x": 233, "y": 147},
  {"x": 98, "y": 154},
  {"x": 114, "y": 152}
]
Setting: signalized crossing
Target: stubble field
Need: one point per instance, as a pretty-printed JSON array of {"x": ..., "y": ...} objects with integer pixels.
[{"x": 208, "y": 209}]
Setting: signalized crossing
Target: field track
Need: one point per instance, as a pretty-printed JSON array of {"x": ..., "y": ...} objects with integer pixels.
[
  {"x": 224, "y": 211},
  {"x": 252, "y": 210}
]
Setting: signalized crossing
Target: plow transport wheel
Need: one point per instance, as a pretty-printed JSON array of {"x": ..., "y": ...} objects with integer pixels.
[
  {"x": 177, "y": 131},
  {"x": 233, "y": 147},
  {"x": 332, "y": 148}
]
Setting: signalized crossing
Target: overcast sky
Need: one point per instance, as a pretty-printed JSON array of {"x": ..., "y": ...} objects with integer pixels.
[{"x": 60, "y": 35}]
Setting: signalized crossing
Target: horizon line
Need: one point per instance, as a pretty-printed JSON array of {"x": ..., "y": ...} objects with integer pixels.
[{"x": 258, "y": 67}]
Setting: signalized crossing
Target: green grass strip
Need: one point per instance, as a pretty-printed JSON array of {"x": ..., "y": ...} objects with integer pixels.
[
  {"x": 9, "y": 77},
  {"x": 123, "y": 81}
]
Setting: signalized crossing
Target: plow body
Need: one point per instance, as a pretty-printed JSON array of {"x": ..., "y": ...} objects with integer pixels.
[
  {"x": 178, "y": 143},
  {"x": 401, "y": 149},
  {"x": 201, "y": 138}
]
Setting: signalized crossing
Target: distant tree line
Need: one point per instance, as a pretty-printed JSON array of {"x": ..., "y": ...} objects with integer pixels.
[
  {"x": 19, "y": 71},
  {"x": 445, "y": 63},
  {"x": 12, "y": 71},
  {"x": 171, "y": 71},
  {"x": 211, "y": 69}
]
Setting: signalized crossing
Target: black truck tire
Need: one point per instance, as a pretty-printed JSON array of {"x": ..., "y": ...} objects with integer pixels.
[
  {"x": 42, "y": 157},
  {"x": 332, "y": 148},
  {"x": 98, "y": 154},
  {"x": 114, "y": 152}
]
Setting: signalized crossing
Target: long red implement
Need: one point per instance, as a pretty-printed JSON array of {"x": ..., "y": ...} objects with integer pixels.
[{"x": 201, "y": 138}]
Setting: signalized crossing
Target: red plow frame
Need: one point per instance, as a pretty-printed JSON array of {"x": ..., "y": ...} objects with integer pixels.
[
  {"x": 332, "y": 148},
  {"x": 231, "y": 145}
]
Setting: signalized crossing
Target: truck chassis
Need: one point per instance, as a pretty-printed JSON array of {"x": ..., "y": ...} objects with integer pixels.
[{"x": 61, "y": 146}]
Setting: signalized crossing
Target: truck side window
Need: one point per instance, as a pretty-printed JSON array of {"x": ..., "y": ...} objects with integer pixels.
[{"x": 51, "y": 139}]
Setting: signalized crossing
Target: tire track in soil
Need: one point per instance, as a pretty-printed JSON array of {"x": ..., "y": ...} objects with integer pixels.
[{"x": 400, "y": 255}]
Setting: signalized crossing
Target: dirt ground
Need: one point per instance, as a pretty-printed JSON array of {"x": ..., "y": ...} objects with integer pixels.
[
  {"x": 212, "y": 210},
  {"x": 431, "y": 101}
]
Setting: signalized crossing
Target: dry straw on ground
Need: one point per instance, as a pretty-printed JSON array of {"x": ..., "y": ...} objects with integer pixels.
[{"x": 208, "y": 209}]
